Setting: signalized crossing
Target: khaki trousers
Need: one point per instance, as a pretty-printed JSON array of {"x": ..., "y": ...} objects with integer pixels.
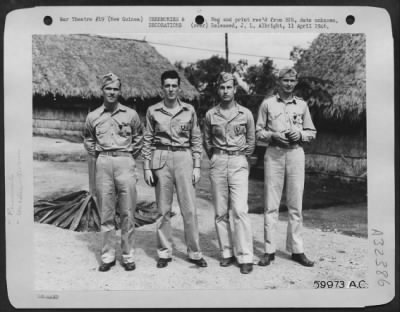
[
  {"x": 284, "y": 165},
  {"x": 229, "y": 181},
  {"x": 116, "y": 181},
  {"x": 177, "y": 172}
]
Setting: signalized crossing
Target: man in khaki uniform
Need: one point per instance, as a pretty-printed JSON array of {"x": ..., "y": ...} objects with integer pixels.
[
  {"x": 284, "y": 122},
  {"x": 172, "y": 152},
  {"x": 229, "y": 136},
  {"x": 113, "y": 136}
]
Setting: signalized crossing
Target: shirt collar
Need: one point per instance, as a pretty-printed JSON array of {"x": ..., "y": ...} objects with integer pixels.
[
  {"x": 239, "y": 108},
  {"x": 160, "y": 105},
  {"x": 293, "y": 100},
  {"x": 119, "y": 108}
]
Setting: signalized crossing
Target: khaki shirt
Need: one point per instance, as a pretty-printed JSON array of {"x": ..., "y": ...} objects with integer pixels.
[
  {"x": 117, "y": 131},
  {"x": 234, "y": 134},
  {"x": 178, "y": 130},
  {"x": 276, "y": 115}
]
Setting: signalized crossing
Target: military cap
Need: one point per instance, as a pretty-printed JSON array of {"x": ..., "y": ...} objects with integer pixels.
[
  {"x": 287, "y": 70},
  {"x": 225, "y": 77},
  {"x": 109, "y": 78}
]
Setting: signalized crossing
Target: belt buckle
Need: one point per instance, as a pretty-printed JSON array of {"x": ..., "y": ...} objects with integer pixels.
[{"x": 230, "y": 153}]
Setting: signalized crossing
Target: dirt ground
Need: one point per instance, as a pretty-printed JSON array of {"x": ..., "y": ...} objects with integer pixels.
[{"x": 66, "y": 260}]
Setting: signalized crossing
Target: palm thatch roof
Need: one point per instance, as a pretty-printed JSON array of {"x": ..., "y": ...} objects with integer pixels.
[
  {"x": 334, "y": 67},
  {"x": 71, "y": 65}
]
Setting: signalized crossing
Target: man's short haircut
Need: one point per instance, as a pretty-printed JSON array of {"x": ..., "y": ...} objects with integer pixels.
[
  {"x": 287, "y": 70},
  {"x": 170, "y": 74}
]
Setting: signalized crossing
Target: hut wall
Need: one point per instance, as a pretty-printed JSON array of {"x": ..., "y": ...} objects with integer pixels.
[
  {"x": 343, "y": 156},
  {"x": 62, "y": 123},
  {"x": 59, "y": 123}
]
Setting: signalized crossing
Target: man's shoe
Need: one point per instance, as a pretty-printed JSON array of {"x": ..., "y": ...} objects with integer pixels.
[
  {"x": 199, "y": 262},
  {"x": 246, "y": 268},
  {"x": 130, "y": 266},
  {"x": 302, "y": 259},
  {"x": 163, "y": 262},
  {"x": 104, "y": 267},
  {"x": 225, "y": 262},
  {"x": 266, "y": 259}
]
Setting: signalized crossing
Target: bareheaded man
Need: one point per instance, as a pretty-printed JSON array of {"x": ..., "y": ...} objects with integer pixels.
[{"x": 172, "y": 150}]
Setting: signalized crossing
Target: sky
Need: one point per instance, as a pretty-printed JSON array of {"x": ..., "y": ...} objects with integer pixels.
[{"x": 191, "y": 47}]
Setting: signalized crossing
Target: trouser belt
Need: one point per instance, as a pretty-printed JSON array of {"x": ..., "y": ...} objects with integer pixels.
[
  {"x": 116, "y": 154},
  {"x": 290, "y": 146},
  {"x": 171, "y": 148},
  {"x": 230, "y": 153}
]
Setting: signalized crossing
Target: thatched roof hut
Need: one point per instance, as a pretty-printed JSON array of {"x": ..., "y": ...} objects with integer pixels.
[
  {"x": 333, "y": 68},
  {"x": 69, "y": 66}
]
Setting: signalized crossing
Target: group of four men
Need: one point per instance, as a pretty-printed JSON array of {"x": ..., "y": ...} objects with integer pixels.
[{"x": 171, "y": 147}]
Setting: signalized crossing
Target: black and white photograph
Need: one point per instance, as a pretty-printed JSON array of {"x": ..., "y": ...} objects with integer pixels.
[
  {"x": 67, "y": 85},
  {"x": 225, "y": 161}
]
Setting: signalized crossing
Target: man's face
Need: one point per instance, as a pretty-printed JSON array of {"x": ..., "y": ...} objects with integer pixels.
[
  {"x": 287, "y": 83},
  {"x": 171, "y": 88},
  {"x": 227, "y": 91},
  {"x": 111, "y": 92}
]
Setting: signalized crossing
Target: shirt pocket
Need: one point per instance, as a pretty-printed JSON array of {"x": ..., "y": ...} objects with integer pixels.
[
  {"x": 125, "y": 130},
  {"x": 277, "y": 120},
  {"x": 297, "y": 118},
  {"x": 217, "y": 129},
  {"x": 101, "y": 129},
  {"x": 275, "y": 114},
  {"x": 181, "y": 129},
  {"x": 161, "y": 128},
  {"x": 236, "y": 130},
  {"x": 184, "y": 127},
  {"x": 239, "y": 129}
]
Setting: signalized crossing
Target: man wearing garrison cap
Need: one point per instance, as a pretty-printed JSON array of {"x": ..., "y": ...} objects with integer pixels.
[
  {"x": 284, "y": 122},
  {"x": 229, "y": 138},
  {"x": 113, "y": 138}
]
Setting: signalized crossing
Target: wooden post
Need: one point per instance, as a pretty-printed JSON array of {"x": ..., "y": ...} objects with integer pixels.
[{"x": 226, "y": 53}]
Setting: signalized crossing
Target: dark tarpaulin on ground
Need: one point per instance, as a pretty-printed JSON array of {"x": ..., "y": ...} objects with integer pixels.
[{"x": 78, "y": 211}]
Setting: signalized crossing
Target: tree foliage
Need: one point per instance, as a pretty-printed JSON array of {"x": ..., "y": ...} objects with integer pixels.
[
  {"x": 262, "y": 82},
  {"x": 204, "y": 73}
]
